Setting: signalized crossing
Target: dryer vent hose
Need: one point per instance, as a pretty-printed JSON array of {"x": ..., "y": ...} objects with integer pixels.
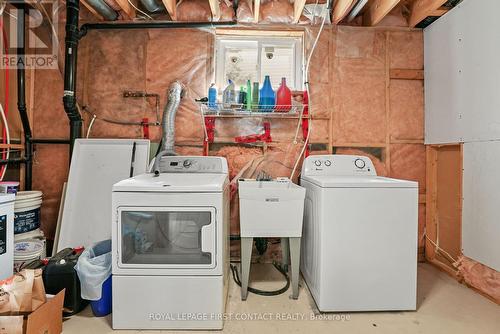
[{"x": 174, "y": 96}]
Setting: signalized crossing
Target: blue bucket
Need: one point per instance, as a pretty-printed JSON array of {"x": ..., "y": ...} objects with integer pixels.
[{"x": 103, "y": 306}]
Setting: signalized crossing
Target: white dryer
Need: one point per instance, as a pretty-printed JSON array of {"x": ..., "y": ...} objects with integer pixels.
[
  {"x": 170, "y": 246},
  {"x": 359, "y": 243}
]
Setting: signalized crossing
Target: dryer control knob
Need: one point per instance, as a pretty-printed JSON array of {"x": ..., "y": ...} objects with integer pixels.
[
  {"x": 328, "y": 163},
  {"x": 360, "y": 163},
  {"x": 187, "y": 163},
  {"x": 317, "y": 163}
]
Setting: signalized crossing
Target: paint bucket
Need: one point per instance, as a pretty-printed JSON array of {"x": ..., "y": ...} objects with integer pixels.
[
  {"x": 36, "y": 235},
  {"x": 9, "y": 187},
  {"x": 26, "y": 251},
  {"x": 27, "y": 211}
]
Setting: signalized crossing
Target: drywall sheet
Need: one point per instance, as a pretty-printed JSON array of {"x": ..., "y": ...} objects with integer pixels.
[
  {"x": 480, "y": 215},
  {"x": 462, "y": 75},
  {"x": 96, "y": 165}
]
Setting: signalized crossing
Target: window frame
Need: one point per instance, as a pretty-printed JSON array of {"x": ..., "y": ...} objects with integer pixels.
[{"x": 296, "y": 40}]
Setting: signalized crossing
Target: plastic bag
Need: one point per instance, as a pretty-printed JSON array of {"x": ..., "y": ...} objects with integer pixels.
[{"x": 93, "y": 268}]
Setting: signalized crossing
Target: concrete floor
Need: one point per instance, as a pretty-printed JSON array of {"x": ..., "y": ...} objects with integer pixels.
[{"x": 444, "y": 306}]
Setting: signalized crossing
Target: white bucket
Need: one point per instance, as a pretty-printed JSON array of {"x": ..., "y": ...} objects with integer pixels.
[
  {"x": 27, "y": 211},
  {"x": 26, "y": 251},
  {"x": 35, "y": 234}
]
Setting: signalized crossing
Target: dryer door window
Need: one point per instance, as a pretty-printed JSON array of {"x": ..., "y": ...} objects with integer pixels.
[{"x": 167, "y": 237}]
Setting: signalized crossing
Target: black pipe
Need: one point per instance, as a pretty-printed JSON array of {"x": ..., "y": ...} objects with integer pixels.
[
  {"x": 50, "y": 141},
  {"x": 12, "y": 161},
  {"x": 70, "y": 61},
  {"x": 21, "y": 97},
  {"x": 151, "y": 25}
]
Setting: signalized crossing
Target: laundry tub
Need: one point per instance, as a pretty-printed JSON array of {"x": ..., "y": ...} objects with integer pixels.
[{"x": 271, "y": 208}]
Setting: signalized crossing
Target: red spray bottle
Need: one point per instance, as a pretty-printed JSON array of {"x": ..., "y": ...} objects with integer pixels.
[{"x": 283, "y": 97}]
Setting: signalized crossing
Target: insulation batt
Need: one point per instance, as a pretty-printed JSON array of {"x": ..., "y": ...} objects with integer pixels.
[
  {"x": 480, "y": 277},
  {"x": 199, "y": 11},
  {"x": 276, "y": 11}
]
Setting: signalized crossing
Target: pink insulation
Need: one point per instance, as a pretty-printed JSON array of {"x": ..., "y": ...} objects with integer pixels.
[
  {"x": 199, "y": 11},
  {"x": 480, "y": 277},
  {"x": 276, "y": 11}
]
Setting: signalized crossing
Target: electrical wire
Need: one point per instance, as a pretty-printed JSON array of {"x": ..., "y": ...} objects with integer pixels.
[
  {"x": 5, "y": 134},
  {"x": 309, "y": 99},
  {"x": 140, "y": 11},
  {"x": 236, "y": 279},
  {"x": 439, "y": 249},
  {"x": 90, "y": 125}
]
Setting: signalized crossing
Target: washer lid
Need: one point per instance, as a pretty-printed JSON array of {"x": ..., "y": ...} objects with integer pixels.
[
  {"x": 174, "y": 182},
  {"x": 358, "y": 182}
]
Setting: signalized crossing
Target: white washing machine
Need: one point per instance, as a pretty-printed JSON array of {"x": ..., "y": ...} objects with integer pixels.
[
  {"x": 170, "y": 246},
  {"x": 359, "y": 243}
]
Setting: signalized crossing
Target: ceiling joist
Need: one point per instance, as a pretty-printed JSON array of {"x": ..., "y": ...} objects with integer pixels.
[
  {"x": 127, "y": 9},
  {"x": 171, "y": 6},
  {"x": 342, "y": 9},
  {"x": 377, "y": 10},
  {"x": 256, "y": 10},
  {"x": 298, "y": 8},
  {"x": 420, "y": 9},
  {"x": 215, "y": 9},
  {"x": 92, "y": 10}
]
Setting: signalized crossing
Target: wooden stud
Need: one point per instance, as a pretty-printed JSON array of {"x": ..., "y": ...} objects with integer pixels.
[
  {"x": 431, "y": 201},
  {"x": 92, "y": 10},
  {"x": 342, "y": 9},
  {"x": 377, "y": 10},
  {"x": 387, "y": 160},
  {"x": 421, "y": 9},
  {"x": 331, "y": 74},
  {"x": 12, "y": 146},
  {"x": 281, "y": 32},
  {"x": 256, "y": 10},
  {"x": 215, "y": 9},
  {"x": 127, "y": 9},
  {"x": 341, "y": 144},
  {"x": 406, "y": 74},
  {"x": 171, "y": 6},
  {"x": 298, "y": 8},
  {"x": 440, "y": 11}
]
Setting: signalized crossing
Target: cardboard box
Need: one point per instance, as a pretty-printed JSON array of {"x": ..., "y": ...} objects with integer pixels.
[{"x": 47, "y": 319}]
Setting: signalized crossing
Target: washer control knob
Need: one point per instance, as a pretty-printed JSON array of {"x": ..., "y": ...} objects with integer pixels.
[
  {"x": 328, "y": 163},
  {"x": 317, "y": 162},
  {"x": 360, "y": 163},
  {"x": 187, "y": 163}
]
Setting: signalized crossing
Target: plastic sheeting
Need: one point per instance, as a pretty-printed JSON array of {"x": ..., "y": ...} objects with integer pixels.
[
  {"x": 480, "y": 277},
  {"x": 199, "y": 11}
]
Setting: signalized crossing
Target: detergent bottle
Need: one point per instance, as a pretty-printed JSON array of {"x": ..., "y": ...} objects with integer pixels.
[
  {"x": 242, "y": 96},
  {"x": 249, "y": 95},
  {"x": 229, "y": 95},
  {"x": 212, "y": 97},
  {"x": 267, "y": 96},
  {"x": 255, "y": 97},
  {"x": 283, "y": 97}
]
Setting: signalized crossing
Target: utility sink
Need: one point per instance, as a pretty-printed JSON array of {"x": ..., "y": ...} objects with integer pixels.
[{"x": 271, "y": 208}]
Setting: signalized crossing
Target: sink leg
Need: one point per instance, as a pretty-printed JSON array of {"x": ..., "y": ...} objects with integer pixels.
[
  {"x": 285, "y": 253},
  {"x": 295, "y": 265},
  {"x": 246, "y": 257}
]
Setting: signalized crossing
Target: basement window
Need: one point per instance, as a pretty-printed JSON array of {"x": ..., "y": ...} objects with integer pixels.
[{"x": 242, "y": 58}]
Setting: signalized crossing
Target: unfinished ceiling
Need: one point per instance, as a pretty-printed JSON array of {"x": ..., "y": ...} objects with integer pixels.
[{"x": 410, "y": 13}]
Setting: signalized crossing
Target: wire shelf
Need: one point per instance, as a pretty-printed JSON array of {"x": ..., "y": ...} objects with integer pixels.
[{"x": 223, "y": 110}]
